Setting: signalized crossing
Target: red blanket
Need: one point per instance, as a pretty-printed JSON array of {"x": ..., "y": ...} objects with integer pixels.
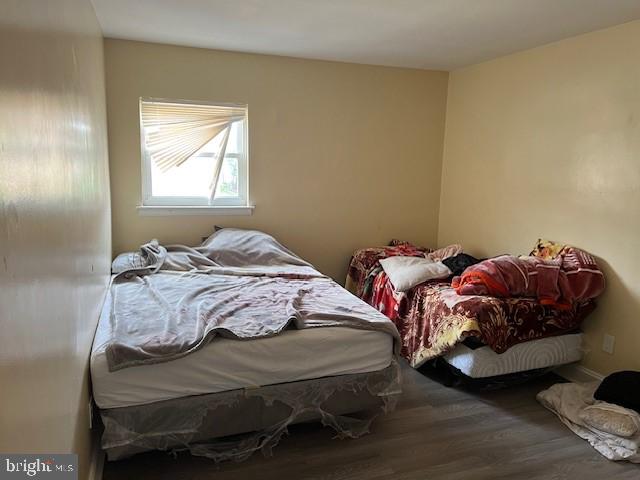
[{"x": 570, "y": 278}]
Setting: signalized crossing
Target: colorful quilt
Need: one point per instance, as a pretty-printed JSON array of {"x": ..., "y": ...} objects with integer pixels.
[{"x": 432, "y": 318}]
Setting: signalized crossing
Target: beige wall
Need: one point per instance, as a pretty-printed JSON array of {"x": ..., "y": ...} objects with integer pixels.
[
  {"x": 54, "y": 221},
  {"x": 547, "y": 143},
  {"x": 341, "y": 156}
]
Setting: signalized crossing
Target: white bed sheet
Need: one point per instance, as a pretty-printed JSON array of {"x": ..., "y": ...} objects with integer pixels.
[
  {"x": 227, "y": 364},
  {"x": 543, "y": 353}
]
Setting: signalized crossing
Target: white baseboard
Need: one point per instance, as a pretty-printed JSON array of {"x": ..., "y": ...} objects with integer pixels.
[
  {"x": 97, "y": 463},
  {"x": 574, "y": 372}
]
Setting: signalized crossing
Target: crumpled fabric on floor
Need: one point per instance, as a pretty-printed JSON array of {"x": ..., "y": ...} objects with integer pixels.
[{"x": 568, "y": 400}]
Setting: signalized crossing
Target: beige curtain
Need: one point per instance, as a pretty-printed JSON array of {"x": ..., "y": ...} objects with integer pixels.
[{"x": 173, "y": 132}]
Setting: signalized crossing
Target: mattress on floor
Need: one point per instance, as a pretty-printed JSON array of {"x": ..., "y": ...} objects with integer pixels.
[
  {"x": 227, "y": 364},
  {"x": 543, "y": 353}
]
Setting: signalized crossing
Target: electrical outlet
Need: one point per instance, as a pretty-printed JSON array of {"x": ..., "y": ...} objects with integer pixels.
[{"x": 608, "y": 342}]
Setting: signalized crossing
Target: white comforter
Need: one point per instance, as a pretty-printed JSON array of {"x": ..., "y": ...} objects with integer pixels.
[
  {"x": 567, "y": 400},
  {"x": 240, "y": 284}
]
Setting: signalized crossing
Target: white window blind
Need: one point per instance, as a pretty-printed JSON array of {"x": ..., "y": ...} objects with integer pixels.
[{"x": 193, "y": 153}]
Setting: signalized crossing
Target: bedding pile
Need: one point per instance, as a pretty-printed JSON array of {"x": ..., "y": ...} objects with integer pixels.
[
  {"x": 169, "y": 303},
  {"x": 612, "y": 430},
  {"x": 433, "y": 317}
]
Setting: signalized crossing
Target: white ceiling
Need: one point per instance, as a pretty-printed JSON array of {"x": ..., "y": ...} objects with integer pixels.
[{"x": 432, "y": 34}]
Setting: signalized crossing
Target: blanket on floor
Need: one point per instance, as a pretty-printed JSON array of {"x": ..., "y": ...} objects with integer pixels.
[{"x": 569, "y": 401}]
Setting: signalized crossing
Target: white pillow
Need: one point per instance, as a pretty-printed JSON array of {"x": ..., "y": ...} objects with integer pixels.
[
  {"x": 128, "y": 261},
  {"x": 612, "y": 419},
  {"x": 407, "y": 272}
]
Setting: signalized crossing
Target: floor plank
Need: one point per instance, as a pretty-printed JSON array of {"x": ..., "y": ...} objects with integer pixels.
[{"x": 435, "y": 433}]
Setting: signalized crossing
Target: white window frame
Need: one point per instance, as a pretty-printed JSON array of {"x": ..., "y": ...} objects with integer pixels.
[{"x": 156, "y": 205}]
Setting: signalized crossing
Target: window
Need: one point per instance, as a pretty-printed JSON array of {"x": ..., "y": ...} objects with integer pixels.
[{"x": 193, "y": 154}]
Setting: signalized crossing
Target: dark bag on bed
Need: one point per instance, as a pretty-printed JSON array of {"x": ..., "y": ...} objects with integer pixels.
[
  {"x": 621, "y": 388},
  {"x": 459, "y": 263}
]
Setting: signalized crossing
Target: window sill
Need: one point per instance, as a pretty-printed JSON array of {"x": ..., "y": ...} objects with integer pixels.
[{"x": 162, "y": 210}]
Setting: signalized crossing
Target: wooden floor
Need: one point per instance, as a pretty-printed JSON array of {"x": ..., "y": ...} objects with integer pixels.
[{"x": 435, "y": 433}]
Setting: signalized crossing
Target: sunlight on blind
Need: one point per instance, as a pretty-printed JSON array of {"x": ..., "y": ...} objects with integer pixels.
[{"x": 173, "y": 132}]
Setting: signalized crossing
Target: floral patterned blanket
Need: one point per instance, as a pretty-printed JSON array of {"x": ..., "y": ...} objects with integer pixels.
[{"x": 432, "y": 318}]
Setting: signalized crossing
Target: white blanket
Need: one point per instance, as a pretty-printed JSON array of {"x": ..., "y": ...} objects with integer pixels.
[
  {"x": 240, "y": 284},
  {"x": 567, "y": 400}
]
